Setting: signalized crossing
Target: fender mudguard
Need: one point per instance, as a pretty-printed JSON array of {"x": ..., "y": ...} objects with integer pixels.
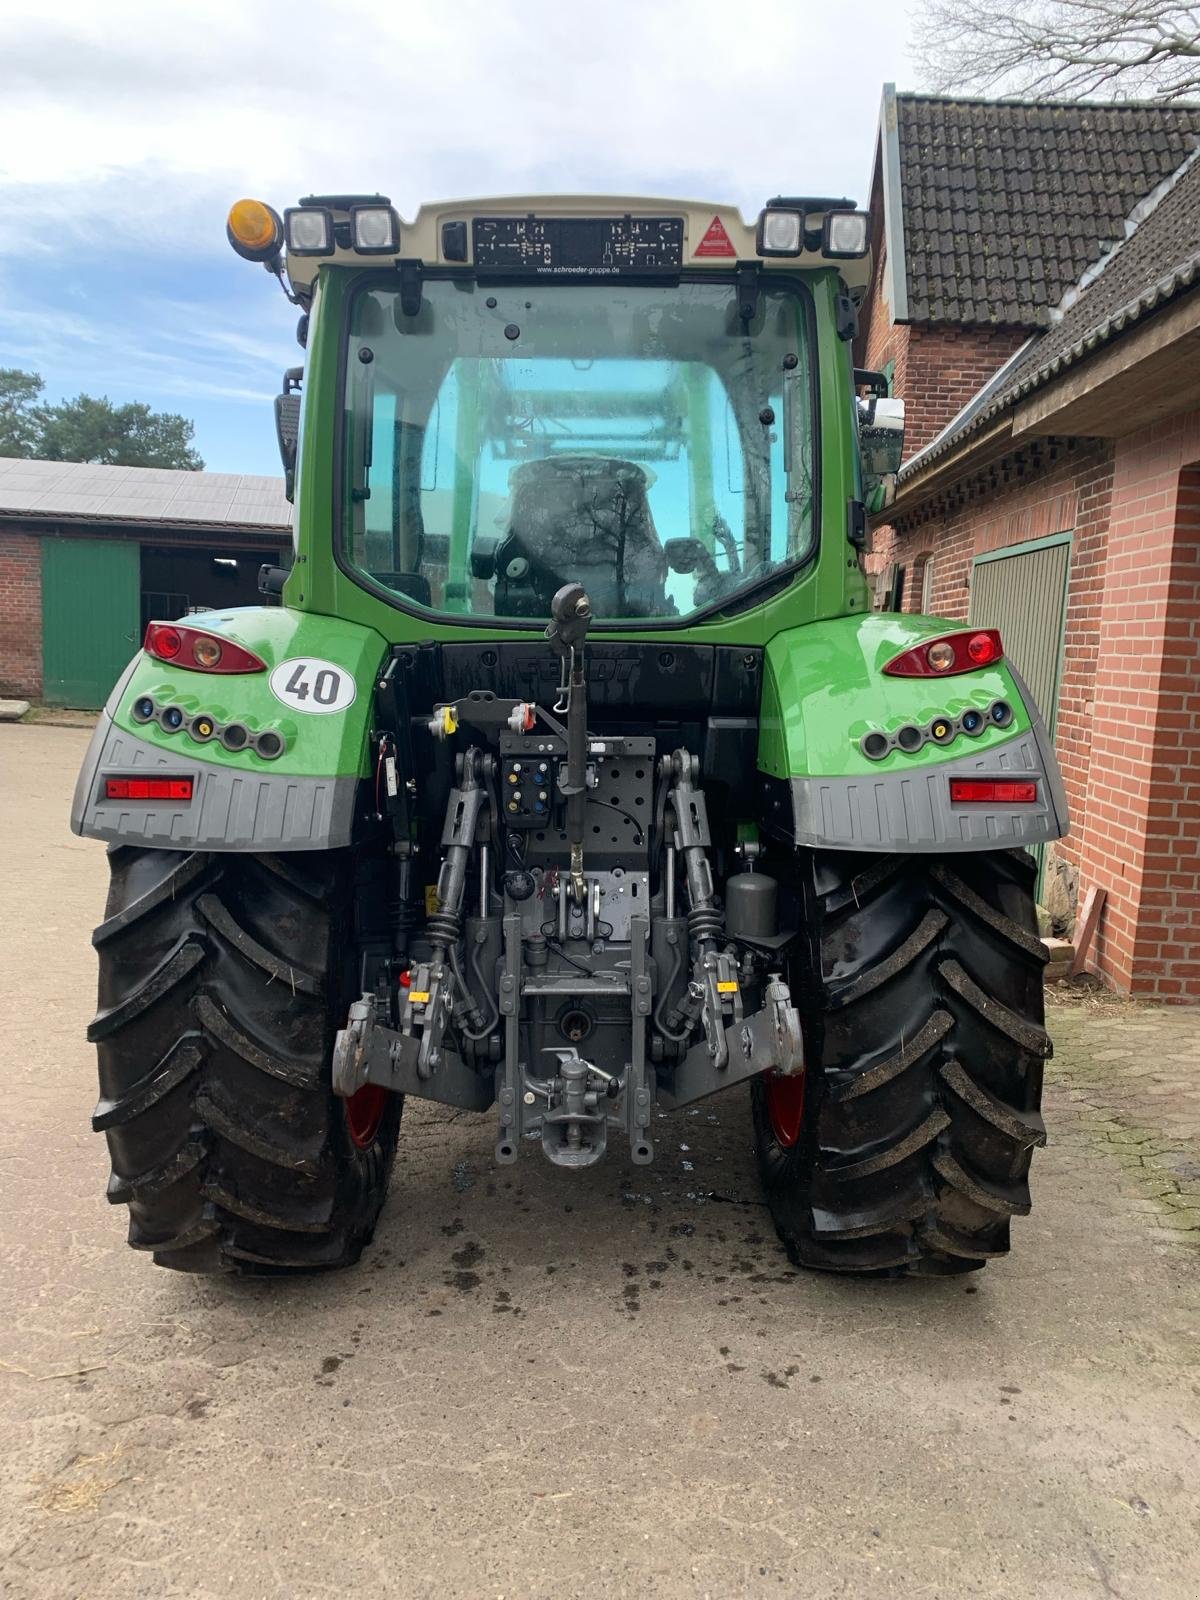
[
  {"x": 294, "y": 791},
  {"x": 825, "y": 691}
]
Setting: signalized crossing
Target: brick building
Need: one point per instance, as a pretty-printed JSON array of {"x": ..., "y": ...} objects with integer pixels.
[
  {"x": 88, "y": 554},
  {"x": 1039, "y": 304}
]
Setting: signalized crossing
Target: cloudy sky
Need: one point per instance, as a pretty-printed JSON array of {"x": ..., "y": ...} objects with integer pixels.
[{"x": 126, "y": 129}]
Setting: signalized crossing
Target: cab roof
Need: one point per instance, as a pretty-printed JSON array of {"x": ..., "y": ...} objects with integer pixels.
[{"x": 715, "y": 236}]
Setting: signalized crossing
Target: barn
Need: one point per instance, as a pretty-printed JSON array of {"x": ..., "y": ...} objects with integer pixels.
[{"x": 89, "y": 554}]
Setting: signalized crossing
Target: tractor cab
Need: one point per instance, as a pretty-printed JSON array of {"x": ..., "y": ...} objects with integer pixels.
[
  {"x": 627, "y": 392},
  {"x": 645, "y": 438}
]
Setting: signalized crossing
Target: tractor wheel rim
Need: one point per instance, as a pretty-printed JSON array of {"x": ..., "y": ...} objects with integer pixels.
[
  {"x": 785, "y": 1106},
  {"x": 364, "y": 1113}
]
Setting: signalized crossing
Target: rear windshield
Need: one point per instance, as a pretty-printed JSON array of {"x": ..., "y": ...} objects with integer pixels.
[{"x": 640, "y": 439}]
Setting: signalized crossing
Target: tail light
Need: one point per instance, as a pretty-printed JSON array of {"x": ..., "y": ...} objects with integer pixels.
[
  {"x": 147, "y": 788},
  {"x": 197, "y": 650},
  {"x": 951, "y": 653},
  {"x": 991, "y": 791}
]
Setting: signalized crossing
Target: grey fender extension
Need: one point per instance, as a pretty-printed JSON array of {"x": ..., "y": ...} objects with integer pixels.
[
  {"x": 909, "y": 811},
  {"x": 231, "y": 809}
]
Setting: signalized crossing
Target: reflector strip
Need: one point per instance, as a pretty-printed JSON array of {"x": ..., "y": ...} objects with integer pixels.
[
  {"x": 147, "y": 788},
  {"x": 992, "y": 792}
]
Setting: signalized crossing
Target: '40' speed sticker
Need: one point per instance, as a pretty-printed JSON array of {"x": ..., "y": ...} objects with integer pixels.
[{"x": 306, "y": 683}]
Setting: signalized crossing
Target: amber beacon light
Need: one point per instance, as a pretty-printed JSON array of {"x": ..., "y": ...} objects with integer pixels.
[{"x": 254, "y": 229}]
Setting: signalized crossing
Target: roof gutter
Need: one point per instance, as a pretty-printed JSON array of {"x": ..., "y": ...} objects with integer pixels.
[
  {"x": 893, "y": 205},
  {"x": 142, "y": 527},
  {"x": 976, "y": 450}
]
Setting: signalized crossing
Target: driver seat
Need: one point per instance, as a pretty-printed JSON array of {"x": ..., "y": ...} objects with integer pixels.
[{"x": 582, "y": 519}]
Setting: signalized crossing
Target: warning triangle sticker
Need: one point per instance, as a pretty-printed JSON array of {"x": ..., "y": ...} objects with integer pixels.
[{"x": 716, "y": 242}]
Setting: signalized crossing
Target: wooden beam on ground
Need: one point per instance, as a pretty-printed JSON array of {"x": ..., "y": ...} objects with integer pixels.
[{"x": 1085, "y": 927}]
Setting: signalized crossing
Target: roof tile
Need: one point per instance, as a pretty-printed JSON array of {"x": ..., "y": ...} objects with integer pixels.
[
  {"x": 1050, "y": 182},
  {"x": 1157, "y": 260}
]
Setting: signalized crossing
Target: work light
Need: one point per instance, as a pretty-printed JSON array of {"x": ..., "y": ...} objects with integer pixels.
[
  {"x": 375, "y": 230},
  {"x": 846, "y": 233},
  {"x": 309, "y": 230},
  {"x": 780, "y": 233}
]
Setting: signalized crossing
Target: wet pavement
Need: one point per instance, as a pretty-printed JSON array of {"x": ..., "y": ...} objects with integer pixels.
[{"x": 600, "y": 1383}]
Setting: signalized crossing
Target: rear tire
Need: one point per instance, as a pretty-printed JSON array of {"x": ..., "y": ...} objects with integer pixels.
[
  {"x": 921, "y": 991},
  {"x": 222, "y": 981}
]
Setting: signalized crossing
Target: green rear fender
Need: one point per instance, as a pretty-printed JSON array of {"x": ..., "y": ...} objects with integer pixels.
[
  {"x": 825, "y": 690},
  {"x": 318, "y": 741},
  {"x": 316, "y": 695}
]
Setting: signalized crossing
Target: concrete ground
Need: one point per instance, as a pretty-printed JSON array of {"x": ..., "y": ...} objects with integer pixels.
[{"x": 608, "y": 1383}]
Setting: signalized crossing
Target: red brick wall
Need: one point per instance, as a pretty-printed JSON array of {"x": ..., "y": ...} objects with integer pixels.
[
  {"x": 20, "y": 614},
  {"x": 1167, "y": 950},
  {"x": 945, "y": 368},
  {"x": 1139, "y": 839}
]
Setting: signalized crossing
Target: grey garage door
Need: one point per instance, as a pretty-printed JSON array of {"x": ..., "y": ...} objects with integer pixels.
[{"x": 1023, "y": 592}]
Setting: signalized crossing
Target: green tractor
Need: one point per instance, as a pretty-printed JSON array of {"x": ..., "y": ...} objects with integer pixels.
[{"x": 574, "y": 778}]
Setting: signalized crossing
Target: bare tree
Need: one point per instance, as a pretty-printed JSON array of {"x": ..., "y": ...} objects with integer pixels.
[{"x": 1064, "y": 49}]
